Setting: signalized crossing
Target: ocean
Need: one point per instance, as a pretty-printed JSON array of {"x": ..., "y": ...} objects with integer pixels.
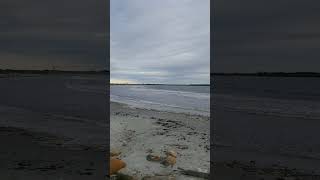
[
  {"x": 71, "y": 106},
  {"x": 172, "y": 98},
  {"x": 253, "y": 117},
  {"x": 273, "y": 118},
  {"x": 278, "y": 96}
]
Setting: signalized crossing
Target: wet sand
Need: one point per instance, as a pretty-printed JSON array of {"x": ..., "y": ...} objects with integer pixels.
[
  {"x": 53, "y": 127},
  {"x": 37, "y": 156},
  {"x": 252, "y": 146},
  {"x": 268, "y": 127}
]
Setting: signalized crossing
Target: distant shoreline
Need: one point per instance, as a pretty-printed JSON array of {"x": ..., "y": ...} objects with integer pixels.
[
  {"x": 12, "y": 71},
  {"x": 162, "y": 84},
  {"x": 271, "y": 74}
]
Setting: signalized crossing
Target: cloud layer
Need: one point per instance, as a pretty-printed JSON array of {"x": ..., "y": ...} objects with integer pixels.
[
  {"x": 266, "y": 35},
  {"x": 69, "y": 35},
  {"x": 163, "y": 41}
]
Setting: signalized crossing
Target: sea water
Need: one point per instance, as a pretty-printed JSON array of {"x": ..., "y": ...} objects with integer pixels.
[
  {"x": 270, "y": 118},
  {"x": 172, "y": 98}
]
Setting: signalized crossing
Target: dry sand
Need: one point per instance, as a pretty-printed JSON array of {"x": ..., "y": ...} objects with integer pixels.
[{"x": 137, "y": 132}]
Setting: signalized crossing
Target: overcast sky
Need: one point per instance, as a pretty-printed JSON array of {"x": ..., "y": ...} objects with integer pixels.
[
  {"x": 267, "y": 35},
  {"x": 66, "y": 34},
  {"x": 160, "y": 41},
  {"x": 163, "y": 41}
]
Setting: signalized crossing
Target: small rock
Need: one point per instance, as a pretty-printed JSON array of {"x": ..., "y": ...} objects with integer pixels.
[
  {"x": 115, "y": 152},
  {"x": 121, "y": 176},
  {"x": 149, "y": 151},
  {"x": 158, "y": 177},
  {"x": 152, "y": 157}
]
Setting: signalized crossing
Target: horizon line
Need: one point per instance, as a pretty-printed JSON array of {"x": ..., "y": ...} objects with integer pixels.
[
  {"x": 48, "y": 70},
  {"x": 190, "y": 84},
  {"x": 271, "y": 74}
]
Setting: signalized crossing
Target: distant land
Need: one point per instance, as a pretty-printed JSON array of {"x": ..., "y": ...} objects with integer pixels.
[
  {"x": 14, "y": 71},
  {"x": 271, "y": 74},
  {"x": 160, "y": 84}
]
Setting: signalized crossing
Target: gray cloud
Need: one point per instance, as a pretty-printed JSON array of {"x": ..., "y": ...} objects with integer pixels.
[
  {"x": 266, "y": 35},
  {"x": 69, "y": 35},
  {"x": 160, "y": 41}
]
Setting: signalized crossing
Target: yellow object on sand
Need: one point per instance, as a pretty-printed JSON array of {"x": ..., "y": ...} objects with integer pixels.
[
  {"x": 116, "y": 165},
  {"x": 172, "y": 153},
  {"x": 171, "y": 158}
]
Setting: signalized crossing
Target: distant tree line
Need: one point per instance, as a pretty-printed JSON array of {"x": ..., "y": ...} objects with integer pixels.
[
  {"x": 13, "y": 71},
  {"x": 271, "y": 74},
  {"x": 148, "y": 84}
]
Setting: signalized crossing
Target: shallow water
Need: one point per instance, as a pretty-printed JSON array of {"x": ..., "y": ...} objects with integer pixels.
[
  {"x": 277, "y": 117},
  {"x": 187, "y": 99},
  {"x": 72, "y": 106}
]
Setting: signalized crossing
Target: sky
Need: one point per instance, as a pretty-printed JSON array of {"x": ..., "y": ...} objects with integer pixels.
[
  {"x": 266, "y": 35},
  {"x": 59, "y": 34},
  {"x": 165, "y": 41}
]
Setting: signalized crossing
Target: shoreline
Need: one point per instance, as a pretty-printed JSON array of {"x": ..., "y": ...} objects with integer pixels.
[
  {"x": 137, "y": 133},
  {"x": 34, "y": 155},
  {"x": 129, "y": 135},
  {"x": 255, "y": 144},
  {"x": 50, "y": 131}
]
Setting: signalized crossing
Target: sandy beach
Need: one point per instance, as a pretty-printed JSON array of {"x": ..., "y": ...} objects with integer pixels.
[
  {"x": 38, "y": 156},
  {"x": 270, "y": 132},
  {"x": 138, "y": 132},
  {"x": 53, "y": 127},
  {"x": 235, "y": 161}
]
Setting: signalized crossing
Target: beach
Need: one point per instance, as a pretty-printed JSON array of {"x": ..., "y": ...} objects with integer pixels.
[
  {"x": 38, "y": 156},
  {"x": 138, "y": 132},
  {"x": 153, "y": 119},
  {"x": 266, "y": 127},
  {"x": 53, "y": 127}
]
